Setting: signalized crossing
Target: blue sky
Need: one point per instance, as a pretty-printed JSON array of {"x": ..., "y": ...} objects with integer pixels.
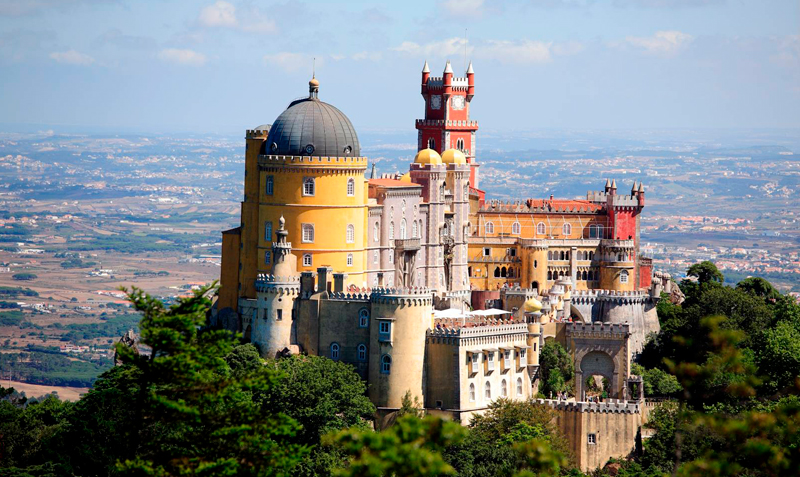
[{"x": 223, "y": 66}]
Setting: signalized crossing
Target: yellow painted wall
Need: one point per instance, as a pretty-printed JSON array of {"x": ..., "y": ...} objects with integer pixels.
[{"x": 229, "y": 271}]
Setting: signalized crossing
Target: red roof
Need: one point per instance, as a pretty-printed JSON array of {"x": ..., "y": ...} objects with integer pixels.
[
  {"x": 563, "y": 204},
  {"x": 391, "y": 183}
]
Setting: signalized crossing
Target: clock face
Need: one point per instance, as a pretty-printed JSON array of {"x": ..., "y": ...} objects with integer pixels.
[
  {"x": 436, "y": 102},
  {"x": 457, "y": 102}
]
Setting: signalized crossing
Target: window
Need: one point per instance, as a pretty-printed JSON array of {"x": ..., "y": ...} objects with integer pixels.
[
  {"x": 308, "y": 186},
  {"x": 391, "y": 256},
  {"x": 351, "y": 187},
  {"x": 507, "y": 358},
  {"x": 268, "y": 231},
  {"x": 567, "y": 229},
  {"x": 490, "y": 360},
  {"x": 623, "y": 276},
  {"x": 489, "y": 228},
  {"x": 403, "y": 229},
  {"x": 307, "y": 260},
  {"x": 363, "y": 318},
  {"x": 516, "y": 228},
  {"x": 519, "y": 387},
  {"x": 592, "y": 439},
  {"x": 267, "y": 257},
  {"x": 376, "y": 232},
  {"x": 472, "y": 392},
  {"x": 431, "y": 143},
  {"x": 385, "y": 327},
  {"x": 362, "y": 352},
  {"x": 386, "y": 364},
  {"x": 541, "y": 229},
  {"x": 487, "y": 390},
  {"x": 384, "y": 330},
  {"x": 535, "y": 264},
  {"x": 391, "y": 230},
  {"x": 595, "y": 231},
  {"x": 414, "y": 230},
  {"x": 351, "y": 233},
  {"x": 269, "y": 186},
  {"x": 487, "y": 251},
  {"x": 308, "y": 233},
  {"x": 503, "y": 388},
  {"x": 279, "y": 315},
  {"x": 349, "y": 259},
  {"x": 375, "y": 257},
  {"x": 335, "y": 351},
  {"x": 460, "y": 145}
]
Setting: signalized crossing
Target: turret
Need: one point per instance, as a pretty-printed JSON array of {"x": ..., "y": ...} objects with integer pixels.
[
  {"x": 447, "y": 78},
  {"x": 640, "y": 194},
  {"x": 470, "y": 82},
  {"x": 633, "y": 188},
  {"x": 426, "y": 73},
  {"x": 614, "y": 186},
  {"x": 608, "y": 186}
]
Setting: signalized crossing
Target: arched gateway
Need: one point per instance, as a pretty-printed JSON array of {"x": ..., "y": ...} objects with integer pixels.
[{"x": 600, "y": 349}]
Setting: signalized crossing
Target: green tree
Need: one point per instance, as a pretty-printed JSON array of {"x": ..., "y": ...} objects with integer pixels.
[
  {"x": 706, "y": 272},
  {"x": 555, "y": 368},
  {"x": 759, "y": 287},
  {"x": 410, "y": 406},
  {"x": 657, "y": 382}
]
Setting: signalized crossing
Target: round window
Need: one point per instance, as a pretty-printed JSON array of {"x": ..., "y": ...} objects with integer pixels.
[
  {"x": 348, "y": 149},
  {"x": 309, "y": 149},
  {"x": 274, "y": 146}
]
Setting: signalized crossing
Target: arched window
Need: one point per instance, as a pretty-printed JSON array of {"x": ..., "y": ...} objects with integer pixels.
[
  {"x": 391, "y": 230},
  {"x": 414, "y": 230},
  {"x": 519, "y": 387},
  {"x": 308, "y": 233},
  {"x": 563, "y": 255},
  {"x": 585, "y": 275},
  {"x": 487, "y": 390},
  {"x": 460, "y": 145},
  {"x": 535, "y": 264},
  {"x": 431, "y": 143},
  {"x": 503, "y": 272},
  {"x": 591, "y": 276},
  {"x": 335, "y": 351},
  {"x": 351, "y": 233},
  {"x": 567, "y": 229},
  {"x": 375, "y": 257},
  {"x": 268, "y": 231},
  {"x": 489, "y": 228},
  {"x": 307, "y": 260},
  {"x": 308, "y": 186},
  {"x": 349, "y": 259},
  {"x": 270, "y": 185},
  {"x": 386, "y": 364},
  {"x": 351, "y": 187},
  {"x": 516, "y": 228},
  {"x": 549, "y": 275},
  {"x": 362, "y": 352},
  {"x": 503, "y": 388},
  {"x": 541, "y": 229},
  {"x": 472, "y": 392},
  {"x": 403, "y": 229},
  {"x": 623, "y": 276},
  {"x": 363, "y": 318},
  {"x": 267, "y": 257},
  {"x": 591, "y": 255},
  {"x": 376, "y": 232},
  {"x": 497, "y": 272}
]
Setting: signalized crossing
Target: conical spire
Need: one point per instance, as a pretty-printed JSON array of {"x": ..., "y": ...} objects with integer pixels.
[
  {"x": 372, "y": 174},
  {"x": 608, "y": 183},
  {"x": 641, "y": 188},
  {"x": 633, "y": 188},
  {"x": 425, "y": 68},
  {"x": 469, "y": 69},
  {"x": 448, "y": 68},
  {"x": 614, "y": 184}
]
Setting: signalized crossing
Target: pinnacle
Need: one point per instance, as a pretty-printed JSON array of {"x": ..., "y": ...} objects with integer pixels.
[
  {"x": 426, "y": 69},
  {"x": 469, "y": 69},
  {"x": 448, "y": 68}
]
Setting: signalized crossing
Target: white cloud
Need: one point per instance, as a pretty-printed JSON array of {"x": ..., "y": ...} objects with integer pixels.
[
  {"x": 291, "y": 62},
  {"x": 182, "y": 57},
  {"x": 661, "y": 43},
  {"x": 437, "y": 49},
  {"x": 463, "y": 8},
  {"x": 220, "y": 14},
  {"x": 516, "y": 52},
  {"x": 72, "y": 57}
]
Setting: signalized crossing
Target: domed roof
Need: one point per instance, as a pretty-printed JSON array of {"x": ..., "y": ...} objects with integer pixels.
[
  {"x": 453, "y": 156},
  {"x": 428, "y": 156},
  {"x": 406, "y": 177},
  {"x": 310, "y": 127},
  {"x": 532, "y": 305}
]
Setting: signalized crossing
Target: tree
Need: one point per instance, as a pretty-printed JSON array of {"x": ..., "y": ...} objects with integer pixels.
[
  {"x": 759, "y": 287},
  {"x": 779, "y": 357},
  {"x": 411, "y": 447},
  {"x": 555, "y": 368},
  {"x": 706, "y": 272},
  {"x": 657, "y": 382},
  {"x": 24, "y": 276},
  {"x": 410, "y": 406}
]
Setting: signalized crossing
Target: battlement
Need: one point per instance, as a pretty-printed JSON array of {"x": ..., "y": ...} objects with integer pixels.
[
  {"x": 312, "y": 161},
  {"x": 625, "y": 201},
  {"x": 598, "y": 330},
  {"x": 467, "y": 124},
  {"x": 614, "y": 406},
  {"x": 613, "y": 296},
  {"x": 405, "y": 296},
  {"x": 271, "y": 283},
  {"x": 344, "y": 296},
  {"x": 617, "y": 244},
  {"x": 468, "y": 330},
  {"x": 257, "y": 133},
  {"x": 542, "y": 205}
]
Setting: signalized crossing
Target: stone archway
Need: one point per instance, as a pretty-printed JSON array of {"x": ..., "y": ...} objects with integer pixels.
[
  {"x": 600, "y": 349},
  {"x": 597, "y": 363},
  {"x": 576, "y": 313}
]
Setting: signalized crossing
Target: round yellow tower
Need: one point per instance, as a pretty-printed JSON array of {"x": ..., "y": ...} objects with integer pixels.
[{"x": 310, "y": 171}]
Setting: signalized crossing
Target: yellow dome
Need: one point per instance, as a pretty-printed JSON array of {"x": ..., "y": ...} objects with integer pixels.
[
  {"x": 428, "y": 156},
  {"x": 406, "y": 177},
  {"x": 453, "y": 156},
  {"x": 532, "y": 305}
]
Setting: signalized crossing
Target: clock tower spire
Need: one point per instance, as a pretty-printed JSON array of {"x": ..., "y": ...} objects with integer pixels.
[{"x": 447, "y": 124}]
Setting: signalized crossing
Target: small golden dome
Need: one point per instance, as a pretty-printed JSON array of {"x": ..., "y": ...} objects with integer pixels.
[
  {"x": 453, "y": 156},
  {"x": 532, "y": 305},
  {"x": 406, "y": 177},
  {"x": 313, "y": 82},
  {"x": 428, "y": 156}
]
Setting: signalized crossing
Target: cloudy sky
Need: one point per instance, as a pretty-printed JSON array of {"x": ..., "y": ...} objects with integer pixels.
[{"x": 223, "y": 66}]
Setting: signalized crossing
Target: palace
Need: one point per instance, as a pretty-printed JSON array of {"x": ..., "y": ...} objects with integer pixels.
[{"x": 419, "y": 281}]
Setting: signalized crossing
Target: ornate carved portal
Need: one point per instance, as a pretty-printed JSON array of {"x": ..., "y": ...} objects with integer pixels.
[{"x": 406, "y": 259}]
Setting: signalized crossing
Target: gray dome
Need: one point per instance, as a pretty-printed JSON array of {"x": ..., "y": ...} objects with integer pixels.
[{"x": 310, "y": 127}]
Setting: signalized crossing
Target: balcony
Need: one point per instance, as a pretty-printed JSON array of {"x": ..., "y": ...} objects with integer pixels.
[{"x": 407, "y": 245}]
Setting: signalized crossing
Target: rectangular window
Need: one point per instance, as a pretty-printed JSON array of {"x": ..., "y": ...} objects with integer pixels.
[
  {"x": 375, "y": 257},
  {"x": 267, "y": 257},
  {"x": 487, "y": 252},
  {"x": 307, "y": 260},
  {"x": 384, "y": 331},
  {"x": 384, "y": 328},
  {"x": 268, "y": 231},
  {"x": 270, "y": 185},
  {"x": 280, "y": 315},
  {"x": 308, "y": 233},
  {"x": 592, "y": 439}
]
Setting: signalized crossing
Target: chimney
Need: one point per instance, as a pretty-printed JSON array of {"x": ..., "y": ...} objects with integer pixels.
[
  {"x": 338, "y": 282},
  {"x": 323, "y": 278}
]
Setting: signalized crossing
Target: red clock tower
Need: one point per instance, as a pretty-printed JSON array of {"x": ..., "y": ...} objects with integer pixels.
[{"x": 447, "y": 124}]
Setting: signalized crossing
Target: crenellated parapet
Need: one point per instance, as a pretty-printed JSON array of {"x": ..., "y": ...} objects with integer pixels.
[
  {"x": 612, "y": 406},
  {"x": 344, "y": 296},
  {"x": 597, "y": 330},
  {"x": 588, "y": 297},
  {"x": 413, "y": 296},
  {"x": 301, "y": 163},
  {"x": 266, "y": 283}
]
